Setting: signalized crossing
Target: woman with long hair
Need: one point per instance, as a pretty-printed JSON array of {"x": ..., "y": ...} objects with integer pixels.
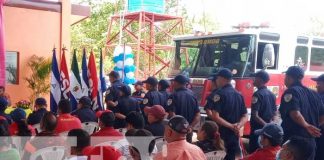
[
  {"x": 20, "y": 126},
  {"x": 209, "y": 138}
]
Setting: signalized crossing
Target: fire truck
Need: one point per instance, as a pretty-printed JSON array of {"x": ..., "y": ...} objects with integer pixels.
[{"x": 245, "y": 52}]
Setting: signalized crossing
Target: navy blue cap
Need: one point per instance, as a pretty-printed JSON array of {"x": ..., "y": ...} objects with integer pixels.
[
  {"x": 18, "y": 114},
  {"x": 114, "y": 74},
  {"x": 164, "y": 83},
  {"x": 179, "y": 124},
  {"x": 85, "y": 100},
  {"x": 224, "y": 72},
  {"x": 40, "y": 101},
  {"x": 271, "y": 130},
  {"x": 295, "y": 72},
  {"x": 182, "y": 79},
  {"x": 3, "y": 103},
  {"x": 263, "y": 75},
  {"x": 151, "y": 80},
  {"x": 319, "y": 78},
  {"x": 125, "y": 89}
]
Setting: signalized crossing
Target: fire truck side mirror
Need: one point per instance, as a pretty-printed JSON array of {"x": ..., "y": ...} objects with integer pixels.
[{"x": 268, "y": 57}]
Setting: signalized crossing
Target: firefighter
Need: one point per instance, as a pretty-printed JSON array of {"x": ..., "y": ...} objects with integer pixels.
[
  {"x": 209, "y": 101},
  {"x": 112, "y": 93},
  {"x": 263, "y": 107},
  {"x": 163, "y": 86},
  {"x": 229, "y": 112},
  {"x": 300, "y": 108},
  {"x": 139, "y": 90},
  {"x": 320, "y": 141},
  {"x": 183, "y": 102}
]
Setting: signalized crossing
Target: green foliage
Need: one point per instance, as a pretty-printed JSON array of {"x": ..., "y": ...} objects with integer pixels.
[{"x": 38, "y": 81}]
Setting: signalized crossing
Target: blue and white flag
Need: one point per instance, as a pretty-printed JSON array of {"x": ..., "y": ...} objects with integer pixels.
[
  {"x": 75, "y": 80},
  {"x": 85, "y": 78},
  {"x": 55, "y": 85},
  {"x": 101, "y": 84}
]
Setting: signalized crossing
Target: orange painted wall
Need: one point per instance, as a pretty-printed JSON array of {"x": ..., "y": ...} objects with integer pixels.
[{"x": 29, "y": 32}]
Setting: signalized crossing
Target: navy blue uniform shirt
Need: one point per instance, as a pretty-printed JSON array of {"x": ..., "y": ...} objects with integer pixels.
[
  {"x": 166, "y": 96},
  {"x": 125, "y": 105},
  {"x": 152, "y": 98},
  {"x": 183, "y": 102},
  {"x": 230, "y": 105},
  {"x": 85, "y": 114},
  {"x": 138, "y": 94},
  {"x": 305, "y": 100},
  {"x": 36, "y": 116},
  {"x": 112, "y": 92},
  {"x": 210, "y": 101},
  {"x": 264, "y": 102}
]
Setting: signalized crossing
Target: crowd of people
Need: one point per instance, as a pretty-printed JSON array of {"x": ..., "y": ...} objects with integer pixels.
[{"x": 135, "y": 121}]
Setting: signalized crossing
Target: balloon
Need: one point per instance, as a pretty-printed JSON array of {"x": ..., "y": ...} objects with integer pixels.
[
  {"x": 118, "y": 50},
  {"x": 130, "y": 75},
  {"x": 129, "y": 62},
  {"x": 119, "y": 64},
  {"x": 128, "y": 50}
]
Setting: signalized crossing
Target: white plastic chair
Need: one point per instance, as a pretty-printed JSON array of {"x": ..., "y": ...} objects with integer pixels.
[
  {"x": 37, "y": 128},
  {"x": 49, "y": 153},
  {"x": 17, "y": 143},
  {"x": 215, "y": 155},
  {"x": 90, "y": 127}
]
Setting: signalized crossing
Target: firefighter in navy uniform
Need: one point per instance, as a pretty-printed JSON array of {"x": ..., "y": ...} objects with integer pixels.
[
  {"x": 139, "y": 91},
  {"x": 300, "y": 109},
  {"x": 263, "y": 107},
  {"x": 320, "y": 141},
  {"x": 163, "y": 86},
  {"x": 229, "y": 112},
  {"x": 112, "y": 93},
  {"x": 209, "y": 101},
  {"x": 183, "y": 102}
]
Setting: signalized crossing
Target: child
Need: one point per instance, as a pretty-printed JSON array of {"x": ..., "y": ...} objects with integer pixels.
[{"x": 209, "y": 138}]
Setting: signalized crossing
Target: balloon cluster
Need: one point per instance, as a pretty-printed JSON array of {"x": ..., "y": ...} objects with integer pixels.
[{"x": 124, "y": 63}]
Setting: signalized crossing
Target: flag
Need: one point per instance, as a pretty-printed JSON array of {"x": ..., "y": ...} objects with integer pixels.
[
  {"x": 2, "y": 46},
  {"x": 55, "y": 96},
  {"x": 75, "y": 87},
  {"x": 101, "y": 84},
  {"x": 85, "y": 79},
  {"x": 93, "y": 81},
  {"x": 65, "y": 81}
]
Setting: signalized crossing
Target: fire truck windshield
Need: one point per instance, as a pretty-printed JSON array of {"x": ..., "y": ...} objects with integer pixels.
[{"x": 204, "y": 57}]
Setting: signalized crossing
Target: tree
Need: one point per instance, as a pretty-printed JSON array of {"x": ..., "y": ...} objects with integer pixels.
[{"x": 38, "y": 81}]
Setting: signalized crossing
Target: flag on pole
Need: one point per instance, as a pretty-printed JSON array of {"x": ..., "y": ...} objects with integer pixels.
[
  {"x": 55, "y": 96},
  {"x": 84, "y": 79},
  {"x": 65, "y": 80},
  {"x": 101, "y": 84},
  {"x": 75, "y": 87},
  {"x": 93, "y": 81}
]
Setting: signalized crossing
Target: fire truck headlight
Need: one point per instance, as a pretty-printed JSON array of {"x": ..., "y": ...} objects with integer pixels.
[{"x": 233, "y": 83}]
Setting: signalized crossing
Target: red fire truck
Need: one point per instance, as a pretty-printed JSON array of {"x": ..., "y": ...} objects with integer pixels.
[{"x": 245, "y": 52}]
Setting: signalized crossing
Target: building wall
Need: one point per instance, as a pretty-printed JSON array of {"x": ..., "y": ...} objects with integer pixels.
[{"x": 30, "y": 32}]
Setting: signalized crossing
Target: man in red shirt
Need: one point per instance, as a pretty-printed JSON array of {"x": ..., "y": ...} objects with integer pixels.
[
  {"x": 270, "y": 138},
  {"x": 106, "y": 123},
  {"x": 65, "y": 121}
]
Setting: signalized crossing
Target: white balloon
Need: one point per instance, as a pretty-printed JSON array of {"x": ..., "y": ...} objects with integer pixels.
[
  {"x": 129, "y": 61},
  {"x": 128, "y": 50},
  {"x": 120, "y": 74},
  {"x": 118, "y": 50},
  {"x": 119, "y": 64},
  {"x": 130, "y": 75}
]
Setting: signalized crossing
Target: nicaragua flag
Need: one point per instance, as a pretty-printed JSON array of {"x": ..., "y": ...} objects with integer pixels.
[
  {"x": 101, "y": 84},
  {"x": 93, "y": 81},
  {"x": 65, "y": 79},
  {"x": 75, "y": 87},
  {"x": 55, "y": 85},
  {"x": 85, "y": 79}
]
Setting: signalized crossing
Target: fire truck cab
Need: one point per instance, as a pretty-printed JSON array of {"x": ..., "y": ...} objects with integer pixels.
[{"x": 245, "y": 52}]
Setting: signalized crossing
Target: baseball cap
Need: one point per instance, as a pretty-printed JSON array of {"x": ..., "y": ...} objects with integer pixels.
[
  {"x": 18, "y": 114},
  {"x": 263, "y": 75},
  {"x": 114, "y": 74},
  {"x": 271, "y": 130},
  {"x": 151, "y": 80},
  {"x": 3, "y": 103},
  {"x": 295, "y": 72},
  {"x": 40, "y": 101},
  {"x": 99, "y": 113},
  {"x": 138, "y": 83},
  {"x": 182, "y": 79},
  {"x": 125, "y": 89},
  {"x": 156, "y": 110},
  {"x": 85, "y": 100},
  {"x": 105, "y": 152},
  {"x": 224, "y": 72},
  {"x": 164, "y": 83},
  {"x": 179, "y": 124},
  {"x": 319, "y": 78}
]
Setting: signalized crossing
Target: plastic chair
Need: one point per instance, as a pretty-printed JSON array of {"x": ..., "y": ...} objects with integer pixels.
[
  {"x": 215, "y": 155},
  {"x": 159, "y": 142},
  {"x": 90, "y": 127},
  {"x": 37, "y": 128},
  {"x": 49, "y": 153}
]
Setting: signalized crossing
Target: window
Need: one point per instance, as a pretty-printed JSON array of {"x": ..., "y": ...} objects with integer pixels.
[
  {"x": 12, "y": 61},
  {"x": 261, "y": 46},
  {"x": 317, "y": 59},
  {"x": 301, "y": 56}
]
